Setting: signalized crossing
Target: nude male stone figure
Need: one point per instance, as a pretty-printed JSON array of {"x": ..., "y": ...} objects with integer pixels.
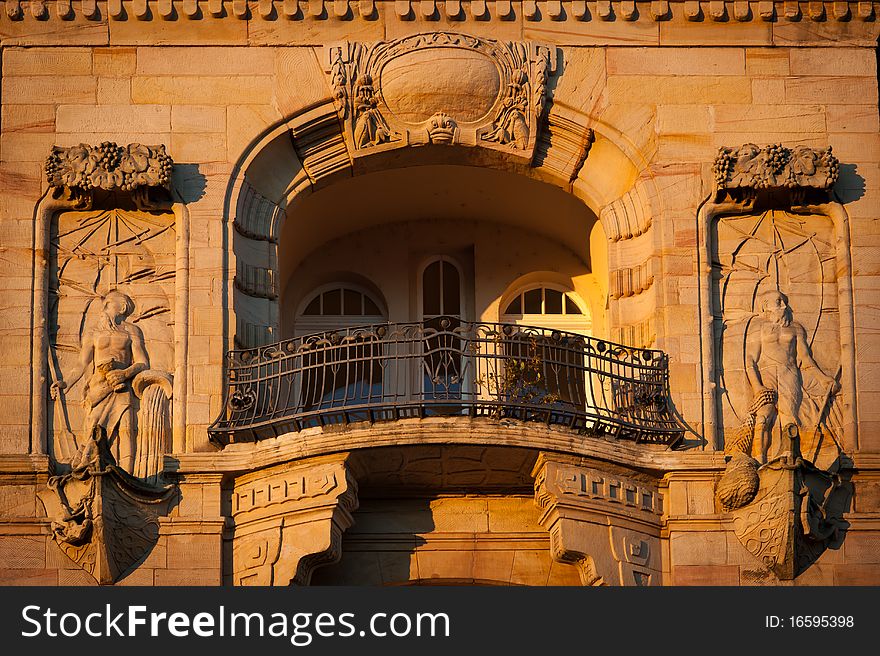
[
  {"x": 787, "y": 383},
  {"x": 112, "y": 354}
]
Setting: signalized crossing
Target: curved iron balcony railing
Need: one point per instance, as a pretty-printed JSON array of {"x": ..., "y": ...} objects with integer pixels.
[{"x": 446, "y": 367}]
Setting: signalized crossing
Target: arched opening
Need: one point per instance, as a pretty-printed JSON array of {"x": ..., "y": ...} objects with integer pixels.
[
  {"x": 311, "y": 208},
  {"x": 491, "y": 228}
]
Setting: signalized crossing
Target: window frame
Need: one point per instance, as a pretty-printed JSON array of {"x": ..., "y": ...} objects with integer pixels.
[
  {"x": 307, "y": 324},
  {"x": 581, "y": 324}
]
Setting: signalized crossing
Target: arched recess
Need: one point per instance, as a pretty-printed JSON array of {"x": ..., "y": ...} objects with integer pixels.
[{"x": 309, "y": 151}]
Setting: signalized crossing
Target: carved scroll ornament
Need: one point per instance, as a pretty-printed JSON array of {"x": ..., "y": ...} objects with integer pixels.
[{"x": 441, "y": 88}]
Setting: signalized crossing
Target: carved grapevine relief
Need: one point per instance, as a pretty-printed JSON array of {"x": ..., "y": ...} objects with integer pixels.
[
  {"x": 108, "y": 166},
  {"x": 441, "y": 88},
  {"x": 750, "y": 167}
]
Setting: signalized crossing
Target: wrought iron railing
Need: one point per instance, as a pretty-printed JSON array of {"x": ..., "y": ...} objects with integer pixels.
[{"x": 447, "y": 367}]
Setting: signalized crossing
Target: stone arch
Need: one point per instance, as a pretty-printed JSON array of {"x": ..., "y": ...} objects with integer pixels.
[{"x": 308, "y": 151}]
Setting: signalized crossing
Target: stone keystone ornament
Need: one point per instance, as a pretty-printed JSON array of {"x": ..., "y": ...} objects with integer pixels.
[{"x": 103, "y": 518}]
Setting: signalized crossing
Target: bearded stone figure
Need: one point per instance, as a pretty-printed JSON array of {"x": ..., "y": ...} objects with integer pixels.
[
  {"x": 788, "y": 386},
  {"x": 114, "y": 361}
]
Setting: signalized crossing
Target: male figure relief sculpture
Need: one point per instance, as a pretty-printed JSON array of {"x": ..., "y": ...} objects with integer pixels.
[
  {"x": 112, "y": 354},
  {"x": 787, "y": 383}
]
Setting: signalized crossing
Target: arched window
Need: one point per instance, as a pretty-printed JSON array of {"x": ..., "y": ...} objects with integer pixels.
[
  {"x": 547, "y": 306},
  {"x": 339, "y": 370},
  {"x": 441, "y": 289},
  {"x": 336, "y": 306},
  {"x": 555, "y": 361},
  {"x": 441, "y": 320}
]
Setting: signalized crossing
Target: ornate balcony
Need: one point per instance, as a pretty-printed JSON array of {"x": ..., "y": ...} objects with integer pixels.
[{"x": 448, "y": 367}]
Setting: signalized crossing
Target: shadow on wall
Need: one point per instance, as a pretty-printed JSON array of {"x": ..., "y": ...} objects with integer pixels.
[
  {"x": 828, "y": 499},
  {"x": 850, "y": 185},
  {"x": 189, "y": 182},
  {"x": 380, "y": 549}
]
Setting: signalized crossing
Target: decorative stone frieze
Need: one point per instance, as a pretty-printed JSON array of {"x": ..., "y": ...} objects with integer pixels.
[
  {"x": 289, "y": 520},
  {"x": 441, "y": 88},
  {"x": 255, "y": 281},
  {"x": 256, "y": 216},
  {"x": 531, "y": 11},
  {"x": 750, "y": 169},
  {"x": 633, "y": 280},
  {"x": 606, "y": 524},
  {"x": 642, "y": 334}
]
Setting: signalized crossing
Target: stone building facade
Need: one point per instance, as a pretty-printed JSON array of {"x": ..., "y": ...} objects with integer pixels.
[{"x": 462, "y": 291}]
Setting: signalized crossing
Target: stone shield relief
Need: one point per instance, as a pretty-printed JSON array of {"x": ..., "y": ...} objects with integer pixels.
[{"x": 441, "y": 88}]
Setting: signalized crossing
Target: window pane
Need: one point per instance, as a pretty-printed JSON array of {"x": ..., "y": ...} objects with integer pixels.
[
  {"x": 351, "y": 302},
  {"x": 570, "y": 307},
  {"x": 333, "y": 302},
  {"x": 431, "y": 290},
  {"x": 515, "y": 306},
  {"x": 451, "y": 290},
  {"x": 532, "y": 300},
  {"x": 314, "y": 308},
  {"x": 370, "y": 307},
  {"x": 552, "y": 301}
]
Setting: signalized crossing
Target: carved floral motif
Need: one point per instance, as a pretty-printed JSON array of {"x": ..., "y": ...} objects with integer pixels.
[
  {"x": 775, "y": 166},
  {"x": 109, "y": 166}
]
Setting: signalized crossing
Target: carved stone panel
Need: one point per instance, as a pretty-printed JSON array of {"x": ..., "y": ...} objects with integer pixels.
[
  {"x": 441, "y": 88},
  {"x": 111, "y": 289},
  {"x": 777, "y": 330}
]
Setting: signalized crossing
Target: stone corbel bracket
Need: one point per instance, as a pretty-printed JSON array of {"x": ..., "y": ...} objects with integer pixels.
[
  {"x": 411, "y": 91},
  {"x": 289, "y": 520},
  {"x": 605, "y": 524}
]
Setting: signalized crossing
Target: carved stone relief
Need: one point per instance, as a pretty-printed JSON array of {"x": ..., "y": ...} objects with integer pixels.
[
  {"x": 111, "y": 342},
  {"x": 780, "y": 304},
  {"x": 103, "y": 518},
  {"x": 777, "y": 316},
  {"x": 441, "y": 88},
  {"x": 110, "y": 313}
]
